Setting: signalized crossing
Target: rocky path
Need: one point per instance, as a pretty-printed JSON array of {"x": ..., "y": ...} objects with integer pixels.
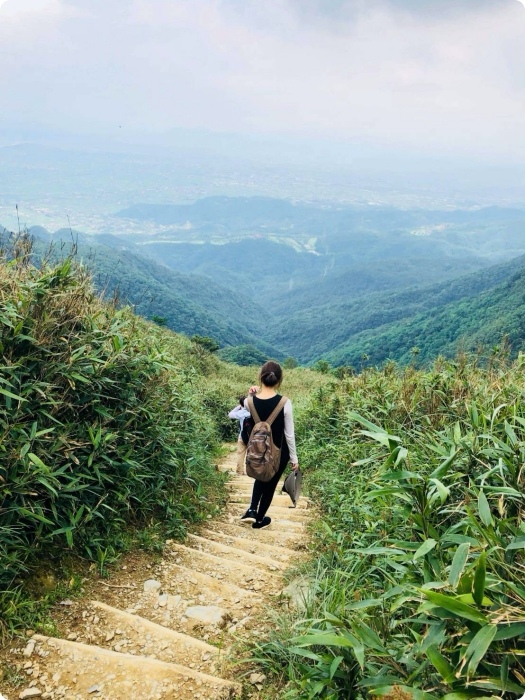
[{"x": 171, "y": 636}]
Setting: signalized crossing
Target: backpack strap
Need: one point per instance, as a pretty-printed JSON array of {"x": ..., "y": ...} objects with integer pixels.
[
  {"x": 273, "y": 415},
  {"x": 277, "y": 410},
  {"x": 252, "y": 409}
]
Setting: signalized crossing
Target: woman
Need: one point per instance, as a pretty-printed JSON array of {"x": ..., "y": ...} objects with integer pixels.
[
  {"x": 271, "y": 376},
  {"x": 240, "y": 413}
]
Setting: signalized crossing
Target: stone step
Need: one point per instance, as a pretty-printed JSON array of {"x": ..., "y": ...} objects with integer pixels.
[
  {"x": 242, "y": 575},
  {"x": 285, "y": 501},
  {"x": 182, "y": 588},
  {"x": 245, "y": 485},
  {"x": 85, "y": 671},
  {"x": 277, "y": 536},
  {"x": 235, "y": 554},
  {"x": 122, "y": 631},
  {"x": 299, "y": 515},
  {"x": 237, "y": 490},
  {"x": 282, "y": 518},
  {"x": 228, "y": 467},
  {"x": 252, "y": 544},
  {"x": 185, "y": 581}
]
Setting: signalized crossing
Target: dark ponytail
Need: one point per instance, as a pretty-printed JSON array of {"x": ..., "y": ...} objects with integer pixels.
[{"x": 271, "y": 374}]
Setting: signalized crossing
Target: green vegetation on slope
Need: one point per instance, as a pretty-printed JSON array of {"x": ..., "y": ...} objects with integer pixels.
[
  {"x": 417, "y": 587},
  {"x": 340, "y": 330},
  {"x": 482, "y": 320},
  {"x": 191, "y": 304},
  {"x": 107, "y": 425}
]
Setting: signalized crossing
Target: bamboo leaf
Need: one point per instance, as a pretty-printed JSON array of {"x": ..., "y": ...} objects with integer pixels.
[
  {"x": 306, "y": 653},
  {"x": 444, "y": 466},
  {"x": 518, "y": 543},
  {"x": 484, "y": 510},
  {"x": 426, "y": 547},
  {"x": 363, "y": 421},
  {"x": 455, "y": 606},
  {"x": 458, "y": 564},
  {"x": 37, "y": 461},
  {"x": 508, "y": 631},
  {"x": 10, "y": 394},
  {"x": 442, "y": 490},
  {"x": 326, "y": 639},
  {"x": 335, "y": 665},
  {"x": 441, "y": 664},
  {"x": 478, "y": 647},
  {"x": 479, "y": 579},
  {"x": 368, "y": 636}
]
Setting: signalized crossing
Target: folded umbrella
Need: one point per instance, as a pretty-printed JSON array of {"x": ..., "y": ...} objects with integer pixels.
[{"x": 292, "y": 486}]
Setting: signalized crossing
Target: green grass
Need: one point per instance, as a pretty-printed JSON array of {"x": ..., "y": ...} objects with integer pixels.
[
  {"x": 109, "y": 430},
  {"x": 417, "y": 587},
  {"x": 105, "y": 427}
]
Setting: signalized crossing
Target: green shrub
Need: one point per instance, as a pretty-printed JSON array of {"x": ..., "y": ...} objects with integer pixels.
[
  {"x": 418, "y": 587},
  {"x": 104, "y": 423}
]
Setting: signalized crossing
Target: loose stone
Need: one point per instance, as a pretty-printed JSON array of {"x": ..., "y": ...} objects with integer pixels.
[{"x": 151, "y": 585}]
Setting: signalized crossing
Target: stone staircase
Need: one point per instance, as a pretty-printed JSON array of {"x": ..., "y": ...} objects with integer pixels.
[{"x": 170, "y": 636}]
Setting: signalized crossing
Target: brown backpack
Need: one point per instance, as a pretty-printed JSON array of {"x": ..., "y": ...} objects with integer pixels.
[{"x": 262, "y": 455}]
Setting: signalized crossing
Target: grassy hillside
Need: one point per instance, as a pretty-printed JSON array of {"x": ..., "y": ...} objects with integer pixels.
[
  {"x": 475, "y": 321},
  {"x": 110, "y": 425},
  {"x": 344, "y": 331},
  {"x": 191, "y": 304},
  {"x": 416, "y": 589},
  {"x": 107, "y": 425}
]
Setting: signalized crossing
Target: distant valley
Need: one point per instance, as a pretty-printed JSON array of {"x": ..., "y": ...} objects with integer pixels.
[{"x": 352, "y": 284}]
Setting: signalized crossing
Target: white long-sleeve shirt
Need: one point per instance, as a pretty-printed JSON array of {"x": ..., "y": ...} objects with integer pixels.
[
  {"x": 289, "y": 431},
  {"x": 239, "y": 413}
]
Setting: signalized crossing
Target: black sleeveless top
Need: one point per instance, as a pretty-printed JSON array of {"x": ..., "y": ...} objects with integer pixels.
[{"x": 264, "y": 408}]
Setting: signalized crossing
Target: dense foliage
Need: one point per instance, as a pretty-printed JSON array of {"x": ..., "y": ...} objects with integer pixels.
[
  {"x": 105, "y": 423},
  {"x": 344, "y": 326},
  {"x": 418, "y": 588},
  {"x": 480, "y": 321},
  {"x": 244, "y": 355},
  {"x": 381, "y": 281}
]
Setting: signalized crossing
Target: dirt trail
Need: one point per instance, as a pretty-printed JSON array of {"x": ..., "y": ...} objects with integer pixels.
[{"x": 171, "y": 636}]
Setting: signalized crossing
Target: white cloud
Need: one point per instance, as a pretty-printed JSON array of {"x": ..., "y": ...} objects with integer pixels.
[
  {"x": 12, "y": 8},
  {"x": 393, "y": 72}
]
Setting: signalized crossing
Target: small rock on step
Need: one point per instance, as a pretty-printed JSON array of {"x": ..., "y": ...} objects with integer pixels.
[
  {"x": 257, "y": 679},
  {"x": 30, "y": 693},
  {"x": 151, "y": 585},
  {"x": 28, "y": 651},
  {"x": 207, "y": 614}
]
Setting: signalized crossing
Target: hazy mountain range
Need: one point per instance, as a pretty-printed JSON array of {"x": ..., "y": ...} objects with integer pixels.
[{"x": 310, "y": 280}]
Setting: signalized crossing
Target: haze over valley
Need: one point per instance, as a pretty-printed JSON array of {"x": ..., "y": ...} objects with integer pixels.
[{"x": 327, "y": 203}]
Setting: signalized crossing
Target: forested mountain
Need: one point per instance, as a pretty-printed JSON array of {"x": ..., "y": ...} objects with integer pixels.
[
  {"x": 330, "y": 329},
  {"x": 471, "y": 323},
  {"x": 334, "y": 277},
  {"x": 265, "y": 276},
  {"x": 296, "y": 254},
  {"x": 190, "y": 304}
]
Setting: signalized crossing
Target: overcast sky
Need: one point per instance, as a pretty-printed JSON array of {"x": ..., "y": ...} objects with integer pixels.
[{"x": 430, "y": 75}]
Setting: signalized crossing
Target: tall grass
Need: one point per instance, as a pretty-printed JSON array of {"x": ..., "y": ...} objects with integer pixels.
[
  {"x": 418, "y": 590},
  {"x": 104, "y": 424}
]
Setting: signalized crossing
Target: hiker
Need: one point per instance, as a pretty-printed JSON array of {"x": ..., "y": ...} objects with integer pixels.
[
  {"x": 240, "y": 413},
  {"x": 265, "y": 401}
]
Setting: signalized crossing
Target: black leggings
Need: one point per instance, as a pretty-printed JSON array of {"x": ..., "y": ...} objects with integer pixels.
[{"x": 263, "y": 491}]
